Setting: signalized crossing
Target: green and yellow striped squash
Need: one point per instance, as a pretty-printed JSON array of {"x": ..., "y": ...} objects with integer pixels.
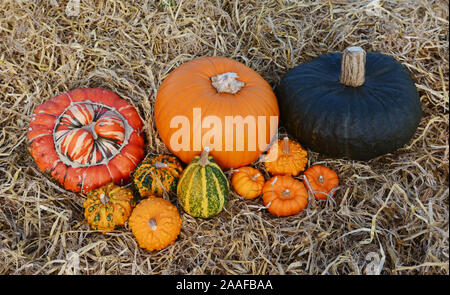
[
  {"x": 156, "y": 175},
  {"x": 203, "y": 187}
]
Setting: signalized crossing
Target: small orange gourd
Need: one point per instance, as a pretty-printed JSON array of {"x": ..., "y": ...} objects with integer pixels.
[
  {"x": 283, "y": 195},
  {"x": 248, "y": 182},
  {"x": 321, "y": 181},
  {"x": 155, "y": 223},
  {"x": 286, "y": 157}
]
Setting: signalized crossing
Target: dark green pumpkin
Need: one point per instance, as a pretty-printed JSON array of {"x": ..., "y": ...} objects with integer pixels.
[{"x": 360, "y": 122}]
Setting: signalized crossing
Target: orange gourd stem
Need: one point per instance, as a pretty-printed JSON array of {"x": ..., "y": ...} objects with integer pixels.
[{"x": 286, "y": 193}]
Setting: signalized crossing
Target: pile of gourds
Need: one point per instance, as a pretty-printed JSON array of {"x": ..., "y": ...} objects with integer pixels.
[{"x": 90, "y": 141}]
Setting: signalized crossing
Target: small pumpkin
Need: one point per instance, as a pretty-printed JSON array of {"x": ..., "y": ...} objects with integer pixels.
[
  {"x": 284, "y": 195},
  {"x": 108, "y": 206},
  {"x": 155, "y": 223},
  {"x": 350, "y": 104},
  {"x": 321, "y": 181},
  {"x": 157, "y": 174},
  {"x": 247, "y": 182},
  {"x": 286, "y": 157},
  {"x": 203, "y": 187},
  {"x": 85, "y": 138},
  {"x": 219, "y": 88}
]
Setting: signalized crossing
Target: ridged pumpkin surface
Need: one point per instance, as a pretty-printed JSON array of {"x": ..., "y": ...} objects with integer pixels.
[
  {"x": 191, "y": 87},
  {"x": 157, "y": 174},
  {"x": 155, "y": 223},
  {"x": 203, "y": 189}
]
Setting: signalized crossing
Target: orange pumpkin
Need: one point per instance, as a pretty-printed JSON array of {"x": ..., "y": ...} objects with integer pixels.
[
  {"x": 283, "y": 195},
  {"x": 321, "y": 181},
  {"x": 155, "y": 223},
  {"x": 248, "y": 182},
  {"x": 86, "y": 138},
  {"x": 206, "y": 101},
  {"x": 286, "y": 157}
]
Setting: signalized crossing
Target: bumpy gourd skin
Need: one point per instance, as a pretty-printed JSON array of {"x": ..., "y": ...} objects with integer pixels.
[
  {"x": 355, "y": 122},
  {"x": 156, "y": 175},
  {"x": 291, "y": 162},
  {"x": 107, "y": 207}
]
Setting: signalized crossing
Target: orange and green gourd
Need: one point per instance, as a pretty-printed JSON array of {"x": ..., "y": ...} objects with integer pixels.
[
  {"x": 157, "y": 174},
  {"x": 108, "y": 206}
]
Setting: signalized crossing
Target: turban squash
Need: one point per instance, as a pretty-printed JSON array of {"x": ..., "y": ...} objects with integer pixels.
[
  {"x": 352, "y": 105},
  {"x": 219, "y": 103},
  {"x": 85, "y": 138}
]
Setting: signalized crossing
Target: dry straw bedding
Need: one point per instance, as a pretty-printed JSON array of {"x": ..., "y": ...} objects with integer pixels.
[{"x": 394, "y": 207}]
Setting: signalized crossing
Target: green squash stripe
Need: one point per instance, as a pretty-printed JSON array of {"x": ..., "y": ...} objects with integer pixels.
[
  {"x": 213, "y": 193},
  {"x": 195, "y": 194},
  {"x": 203, "y": 191},
  {"x": 184, "y": 184}
]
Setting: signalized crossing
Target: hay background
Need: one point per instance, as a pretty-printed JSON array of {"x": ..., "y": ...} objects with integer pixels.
[{"x": 395, "y": 205}]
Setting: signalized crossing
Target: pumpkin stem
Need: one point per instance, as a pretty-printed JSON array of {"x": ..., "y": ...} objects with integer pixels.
[
  {"x": 152, "y": 223},
  {"x": 160, "y": 165},
  {"x": 227, "y": 83},
  {"x": 353, "y": 66},
  {"x": 255, "y": 177},
  {"x": 104, "y": 199},
  {"x": 286, "y": 149},
  {"x": 321, "y": 179},
  {"x": 203, "y": 161},
  {"x": 286, "y": 193}
]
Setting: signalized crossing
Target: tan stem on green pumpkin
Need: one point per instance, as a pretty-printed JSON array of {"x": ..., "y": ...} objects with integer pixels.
[
  {"x": 203, "y": 161},
  {"x": 353, "y": 66},
  {"x": 227, "y": 83}
]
